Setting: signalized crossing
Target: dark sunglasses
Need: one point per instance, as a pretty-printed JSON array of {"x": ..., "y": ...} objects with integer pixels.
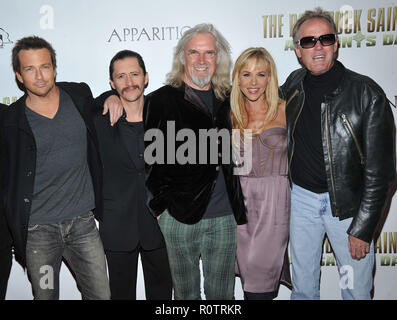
[{"x": 310, "y": 42}]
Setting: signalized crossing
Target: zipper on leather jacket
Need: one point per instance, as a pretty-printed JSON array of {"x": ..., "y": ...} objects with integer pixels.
[
  {"x": 293, "y": 127},
  {"x": 349, "y": 127},
  {"x": 329, "y": 153},
  {"x": 293, "y": 96}
]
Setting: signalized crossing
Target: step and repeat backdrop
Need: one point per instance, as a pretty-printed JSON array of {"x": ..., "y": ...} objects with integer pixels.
[{"x": 86, "y": 34}]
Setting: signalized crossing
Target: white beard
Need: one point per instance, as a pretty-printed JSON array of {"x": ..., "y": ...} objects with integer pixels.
[{"x": 201, "y": 82}]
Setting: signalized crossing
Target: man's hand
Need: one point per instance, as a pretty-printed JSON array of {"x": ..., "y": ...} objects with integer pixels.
[
  {"x": 158, "y": 217},
  {"x": 114, "y": 107},
  {"x": 358, "y": 248}
]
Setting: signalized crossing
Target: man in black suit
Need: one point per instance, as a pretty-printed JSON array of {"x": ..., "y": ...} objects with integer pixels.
[
  {"x": 5, "y": 242},
  {"x": 52, "y": 176},
  {"x": 127, "y": 228}
]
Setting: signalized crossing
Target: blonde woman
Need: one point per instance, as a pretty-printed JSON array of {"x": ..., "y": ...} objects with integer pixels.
[{"x": 261, "y": 259}]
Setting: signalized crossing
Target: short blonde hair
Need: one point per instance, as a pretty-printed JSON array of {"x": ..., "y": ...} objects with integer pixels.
[{"x": 237, "y": 99}]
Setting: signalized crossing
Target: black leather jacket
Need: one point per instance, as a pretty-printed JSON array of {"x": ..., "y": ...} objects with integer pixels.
[{"x": 358, "y": 135}]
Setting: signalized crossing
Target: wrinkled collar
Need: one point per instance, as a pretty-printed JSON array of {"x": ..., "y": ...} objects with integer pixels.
[{"x": 193, "y": 98}]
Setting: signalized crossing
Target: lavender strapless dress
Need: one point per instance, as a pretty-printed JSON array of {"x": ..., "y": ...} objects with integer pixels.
[{"x": 261, "y": 257}]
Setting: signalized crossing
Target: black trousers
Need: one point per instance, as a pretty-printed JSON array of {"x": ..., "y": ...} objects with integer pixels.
[
  {"x": 123, "y": 269},
  {"x": 5, "y": 268},
  {"x": 5, "y": 254},
  {"x": 259, "y": 296}
]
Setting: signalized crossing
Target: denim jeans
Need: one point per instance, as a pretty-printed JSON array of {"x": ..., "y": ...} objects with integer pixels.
[
  {"x": 78, "y": 242},
  {"x": 311, "y": 218}
]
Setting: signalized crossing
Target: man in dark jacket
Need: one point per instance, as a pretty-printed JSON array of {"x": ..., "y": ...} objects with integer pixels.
[
  {"x": 52, "y": 176},
  {"x": 342, "y": 161},
  {"x": 128, "y": 229},
  {"x": 197, "y": 200},
  {"x": 5, "y": 240},
  {"x": 191, "y": 189}
]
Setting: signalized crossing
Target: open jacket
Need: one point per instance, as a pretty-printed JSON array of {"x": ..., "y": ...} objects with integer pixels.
[
  {"x": 5, "y": 235},
  {"x": 185, "y": 189},
  {"x": 18, "y": 159},
  {"x": 358, "y": 137},
  {"x": 126, "y": 219}
]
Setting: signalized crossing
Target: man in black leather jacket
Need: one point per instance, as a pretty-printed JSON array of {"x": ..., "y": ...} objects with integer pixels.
[{"x": 341, "y": 153}]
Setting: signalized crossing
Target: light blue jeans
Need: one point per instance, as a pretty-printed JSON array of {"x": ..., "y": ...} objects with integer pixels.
[
  {"x": 77, "y": 240},
  {"x": 311, "y": 218}
]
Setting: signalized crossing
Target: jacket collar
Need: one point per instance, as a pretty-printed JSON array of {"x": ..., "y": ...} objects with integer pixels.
[
  {"x": 190, "y": 96},
  {"x": 17, "y": 114},
  {"x": 194, "y": 99},
  {"x": 78, "y": 100},
  {"x": 301, "y": 73}
]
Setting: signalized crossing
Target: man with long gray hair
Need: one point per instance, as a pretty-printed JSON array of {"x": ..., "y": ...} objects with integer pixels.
[
  {"x": 341, "y": 152},
  {"x": 199, "y": 202}
]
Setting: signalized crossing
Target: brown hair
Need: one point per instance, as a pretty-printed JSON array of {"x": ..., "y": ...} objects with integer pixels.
[{"x": 31, "y": 43}]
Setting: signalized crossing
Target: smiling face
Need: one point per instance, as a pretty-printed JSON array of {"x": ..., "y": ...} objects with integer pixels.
[
  {"x": 318, "y": 59},
  {"x": 253, "y": 79},
  {"x": 200, "y": 61},
  {"x": 37, "y": 73},
  {"x": 129, "y": 79}
]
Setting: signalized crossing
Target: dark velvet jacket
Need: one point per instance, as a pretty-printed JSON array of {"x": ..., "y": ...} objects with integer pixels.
[
  {"x": 185, "y": 189},
  {"x": 18, "y": 159},
  {"x": 358, "y": 135}
]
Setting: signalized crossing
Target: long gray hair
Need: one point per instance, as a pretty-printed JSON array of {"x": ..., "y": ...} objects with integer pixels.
[{"x": 221, "y": 78}]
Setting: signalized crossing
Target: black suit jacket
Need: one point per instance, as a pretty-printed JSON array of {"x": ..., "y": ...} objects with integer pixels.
[
  {"x": 18, "y": 160},
  {"x": 126, "y": 220},
  {"x": 5, "y": 235}
]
